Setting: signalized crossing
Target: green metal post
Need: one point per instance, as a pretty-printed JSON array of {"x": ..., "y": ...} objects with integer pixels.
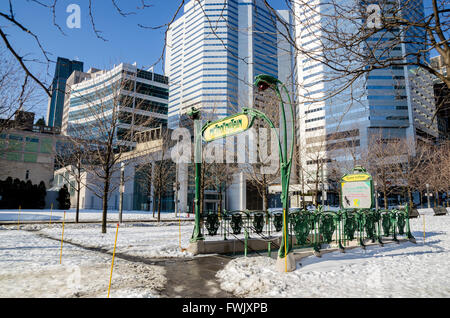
[
  {"x": 408, "y": 228},
  {"x": 195, "y": 115},
  {"x": 263, "y": 82},
  {"x": 246, "y": 243}
]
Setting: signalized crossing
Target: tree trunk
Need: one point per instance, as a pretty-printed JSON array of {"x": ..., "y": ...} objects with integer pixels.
[
  {"x": 316, "y": 187},
  {"x": 78, "y": 203},
  {"x": 303, "y": 192},
  {"x": 78, "y": 191},
  {"x": 105, "y": 209},
  {"x": 105, "y": 201},
  {"x": 154, "y": 205},
  {"x": 410, "y": 198},
  {"x": 220, "y": 201},
  {"x": 159, "y": 206},
  {"x": 149, "y": 194},
  {"x": 266, "y": 200}
]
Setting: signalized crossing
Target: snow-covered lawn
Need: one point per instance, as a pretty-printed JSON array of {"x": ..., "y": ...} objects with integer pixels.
[
  {"x": 29, "y": 267},
  {"x": 404, "y": 270},
  {"x": 151, "y": 240},
  {"x": 29, "y": 264},
  {"x": 84, "y": 215},
  {"x": 29, "y": 260}
]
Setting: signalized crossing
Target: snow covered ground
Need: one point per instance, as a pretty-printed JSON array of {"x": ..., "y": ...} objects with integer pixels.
[
  {"x": 85, "y": 215},
  {"x": 403, "y": 270},
  {"x": 30, "y": 267},
  {"x": 150, "y": 240},
  {"x": 29, "y": 264}
]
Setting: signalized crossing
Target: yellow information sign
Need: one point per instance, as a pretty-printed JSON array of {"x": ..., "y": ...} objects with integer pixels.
[
  {"x": 226, "y": 127},
  {"x": 356, "y": 177}
]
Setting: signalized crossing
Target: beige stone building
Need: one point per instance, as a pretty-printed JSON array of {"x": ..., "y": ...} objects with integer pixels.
[{"x": 28, "y": 154}]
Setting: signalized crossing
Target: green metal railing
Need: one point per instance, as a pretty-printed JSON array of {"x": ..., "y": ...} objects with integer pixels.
[{"x": 316, "y": 229}]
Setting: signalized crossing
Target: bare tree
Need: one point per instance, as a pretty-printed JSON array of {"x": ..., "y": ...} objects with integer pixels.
[
  {"x": 410, "y": 169},
  {"x": 263, "y": 148},
  {"x": 158, "y": 171},
  {"x": 11, "y": 18},
  {"x": 17, "y": 92},
  {"x": 369, "y": 34},
  {"x": 381, "y": 159},
  {"x": 108, "y": 121},
  {"x": 435, "y": 170},
  {"x": 72, "y": 159}
]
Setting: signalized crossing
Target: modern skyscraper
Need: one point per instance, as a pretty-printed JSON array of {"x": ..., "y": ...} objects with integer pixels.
[
  {"x": 64, "y": 68},
  {"x": 395, "y": 101},
  {"x": 214, "y": 51}
]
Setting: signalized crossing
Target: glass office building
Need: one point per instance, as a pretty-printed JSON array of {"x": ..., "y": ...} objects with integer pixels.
[
  {"x": 139, "y": 97},
  {"x": 64, "y": 68},
  {"x": 213, "y": 53},
  {"x": 395, "y": 101}
]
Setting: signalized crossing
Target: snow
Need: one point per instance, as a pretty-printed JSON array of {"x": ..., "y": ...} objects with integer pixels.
[
  {"x": 29, "y": 263},
  {"x": 395, "y": 270},
  {"x": 85, "y": 215},
  {"x": 151, "y": 240},
  {"x": 29, "y": 259},
  {"x": 29, "y": 267}
]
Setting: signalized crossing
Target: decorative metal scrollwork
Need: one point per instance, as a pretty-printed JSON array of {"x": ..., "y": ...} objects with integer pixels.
[
  {"x": 258, "y": 222},
  {"x": 327, "y": 227},
  {"x": 278, "y": 221},
  {"x": 302, "y": 226},
  {"x": 236, "y": 223},
  {"x": 212, "y": 223}
]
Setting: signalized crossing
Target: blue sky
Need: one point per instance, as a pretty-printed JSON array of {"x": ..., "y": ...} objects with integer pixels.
[{"x": 126, "y": 41}]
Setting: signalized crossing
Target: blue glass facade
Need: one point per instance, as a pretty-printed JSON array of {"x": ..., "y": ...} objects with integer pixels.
[{"x": 64, "y": 68}]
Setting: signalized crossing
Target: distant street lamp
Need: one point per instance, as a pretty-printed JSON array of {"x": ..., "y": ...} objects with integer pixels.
[
  {"x": 376, "y": 195},
  {"x": 121, "y": 189}
]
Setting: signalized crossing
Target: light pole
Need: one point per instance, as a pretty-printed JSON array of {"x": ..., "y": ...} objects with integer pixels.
[
  {"x": 263, "y": 82},
  {"x": 176, "y": 190},
  {"x": 376, "y": 196},
  {"x": 122, "y": 188},
  {"x": 428, "y": 194},
  {"x": 194, "y": 114}
]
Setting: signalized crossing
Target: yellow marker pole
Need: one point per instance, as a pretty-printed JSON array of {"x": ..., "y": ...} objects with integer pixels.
[
  {"x": 18, "y": 218},
  {"x": 424, "y": 229},
  {"x": 112, "y": 264},
  {"x": 62, "y": 238}
]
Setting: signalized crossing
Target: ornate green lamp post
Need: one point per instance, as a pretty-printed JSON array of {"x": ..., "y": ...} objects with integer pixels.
[
  {"x": 194, "y": 114},
  {"x": 263, "y": 82},
  {"x": 240, "y": 123}
]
